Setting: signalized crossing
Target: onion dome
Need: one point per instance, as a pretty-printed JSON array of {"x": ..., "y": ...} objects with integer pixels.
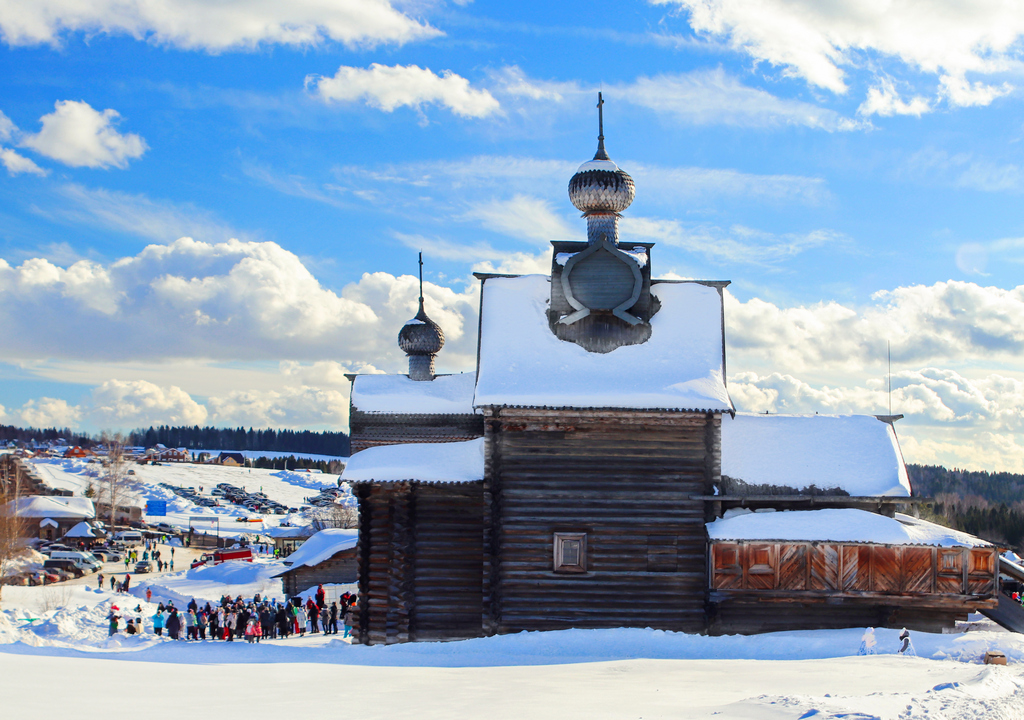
[
  {"x": 599, "y": 185},
  {"x": 421, "y": 335},
  {"x": 421, "y": 339}
]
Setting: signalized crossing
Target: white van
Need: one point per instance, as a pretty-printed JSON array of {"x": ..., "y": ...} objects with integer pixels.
[
  {"x": 129, "y": 536},
  {"x": 86, "y": 560}
]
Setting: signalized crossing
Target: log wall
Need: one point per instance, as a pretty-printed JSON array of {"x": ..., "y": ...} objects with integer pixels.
[
  {"x": 374, "y": 429},
  {"x": 625, "y": 478},
  {"x": 339, "y": 568},
  {"x": 420, "y": 558}
]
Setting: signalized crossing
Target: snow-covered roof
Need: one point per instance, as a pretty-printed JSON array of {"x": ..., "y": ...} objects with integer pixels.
[
  {"x": 444, "y": 395},
  {"x": 83, "y": 530},
  {"x": 522, "y": 363},
  {"x": 454, "y": 462},
  {"x": 857, "y": 453},
  {"x": 47, "y": 506},
  {"x": 838, "y": 525},
  {"x": 320, "y": 547},
  {"x": 291, "y": 531}
]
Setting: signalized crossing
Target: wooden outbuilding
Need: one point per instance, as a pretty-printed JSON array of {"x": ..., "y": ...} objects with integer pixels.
[{"x": 328, "y": 557}]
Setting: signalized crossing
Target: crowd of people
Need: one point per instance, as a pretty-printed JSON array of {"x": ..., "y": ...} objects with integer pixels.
[{"x": 253, "y": 620}]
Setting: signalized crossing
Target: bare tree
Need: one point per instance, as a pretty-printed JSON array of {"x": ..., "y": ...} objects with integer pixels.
[
  {"x": 114, "y": 483},
  {"x": 12, "y": 542},
  {"x": 334, "y": 515}
]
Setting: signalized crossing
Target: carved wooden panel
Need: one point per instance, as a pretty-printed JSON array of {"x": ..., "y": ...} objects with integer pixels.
[
  {"x": 886, "y": 575},
  {"x": 793, "y": 567},
  {"x": 981, "y": 571},
  {"x": 856, "y": 568},
  {"x": 760, "y": 564},
  {"x": 918, "y": 573},
  {"x": 825, "y": 567},
  {"x": 727, "y": 572},
  {"x": 950, "y": 571}
]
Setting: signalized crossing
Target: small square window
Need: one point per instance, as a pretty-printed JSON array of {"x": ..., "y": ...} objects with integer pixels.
[{"x": 570, "y": 552}]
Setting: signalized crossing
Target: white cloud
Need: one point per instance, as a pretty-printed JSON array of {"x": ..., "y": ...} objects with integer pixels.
[
  {"x": 7, "y": 128},
  {"x": 705, "y": 97},
  {"x": 518, "y": 263},
  {"x": 816, "y": 40},
  {"x": 137, "y": 403},
  {"x": 294, "y": 407},
  {"x": 389, "y": 87},
  {"x": 964, "y": 93},
  {"x": 212, "y": 26},
  {"x": 946, "y": 322},
  {"x": 17, "y": 164},
  {"x": 228, "y": 301},
  {"x": 48, "y": 412},
  {"x": 884, "y": 100},
  {"x": 966, "y": 170},
  {"x": 79, "y": 136}
]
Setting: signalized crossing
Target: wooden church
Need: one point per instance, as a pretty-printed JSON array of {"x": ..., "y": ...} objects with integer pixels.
[{"x": 593, "y": 472}]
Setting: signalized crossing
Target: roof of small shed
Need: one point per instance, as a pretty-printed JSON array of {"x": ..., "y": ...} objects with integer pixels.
[
  {"x": 522, "y": 363},
  {"x": 453, "y": 462},
  {"x": 856, "y": 453},
  {"x": 838, "y": 525},
  {"x": 322, "y": 546}
]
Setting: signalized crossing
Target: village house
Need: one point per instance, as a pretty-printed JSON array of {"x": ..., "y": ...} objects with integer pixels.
[
  {"x": 48, "y": 517},
  {"x": 593, "y": 472}
]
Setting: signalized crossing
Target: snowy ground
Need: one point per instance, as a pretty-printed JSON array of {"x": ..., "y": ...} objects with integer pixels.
[
  {"x": 572, "y": 674},
  {"x": 286, "y": 487}
]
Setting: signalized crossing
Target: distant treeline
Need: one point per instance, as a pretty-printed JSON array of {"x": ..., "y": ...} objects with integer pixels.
[
  {"x": 197, "y": 438},
  {"x": 989, "y": 505},
  {"x": 27, "y": 435},
  {"x": 270, "y": 440}
]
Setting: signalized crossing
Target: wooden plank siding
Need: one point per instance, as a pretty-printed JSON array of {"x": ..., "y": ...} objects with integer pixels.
[
  {"x": 626, "y": 480},
  {"x": 375, "y": 429},
  {"x": 420, "y": 554},
  {"x": 759, "y": 586}
]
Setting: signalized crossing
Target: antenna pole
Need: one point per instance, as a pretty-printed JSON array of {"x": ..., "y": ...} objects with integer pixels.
[{"x": 888, "y": 352}]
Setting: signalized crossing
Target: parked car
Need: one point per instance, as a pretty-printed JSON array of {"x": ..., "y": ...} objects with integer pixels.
[
  {"x": 69, "y": 567},
  {"x": 143, "y": 566}
]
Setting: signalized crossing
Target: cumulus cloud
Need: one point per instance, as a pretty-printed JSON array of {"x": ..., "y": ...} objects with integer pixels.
[
  {"x": 137, "y": 403},
  {"x": 212, "y": 26},
  {"x": 947, "y": 321},
  {"x": 48, "y": 412},
  {"x": 389, "y": 87},
  {"x": 303, "y": 406},
  {"x": 79, "y": 136},
  {"x": 816, "y": 41},
  {"x": 952, "y": 419},
  {"x": 223, "y": 301},
  {"x": 706, "y": 97}
]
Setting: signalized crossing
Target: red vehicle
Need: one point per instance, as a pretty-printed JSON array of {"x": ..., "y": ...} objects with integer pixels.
[{"x": 219, "y": 556}]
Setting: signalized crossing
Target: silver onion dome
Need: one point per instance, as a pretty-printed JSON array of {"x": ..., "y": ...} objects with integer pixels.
[
  {"x": 599, "y": 185},
  {"x": 421, "y": 335}
]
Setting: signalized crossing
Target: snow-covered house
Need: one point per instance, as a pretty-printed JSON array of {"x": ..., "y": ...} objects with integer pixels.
[
  {"x": 593, "y": 472},
  {"x": 50, "y": 517},
  {"x": 328, "y": 557}
]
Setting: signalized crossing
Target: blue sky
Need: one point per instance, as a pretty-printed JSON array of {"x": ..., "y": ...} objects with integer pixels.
[{"x": 208, "y": 214}]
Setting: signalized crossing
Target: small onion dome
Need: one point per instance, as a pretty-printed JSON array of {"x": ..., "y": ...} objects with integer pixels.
[
  {"x": 599, "y": 186},
  {"x": 421, "y": 335}
]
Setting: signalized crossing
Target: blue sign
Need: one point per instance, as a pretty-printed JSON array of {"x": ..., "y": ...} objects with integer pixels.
[{"x": 156, "y": 507}]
